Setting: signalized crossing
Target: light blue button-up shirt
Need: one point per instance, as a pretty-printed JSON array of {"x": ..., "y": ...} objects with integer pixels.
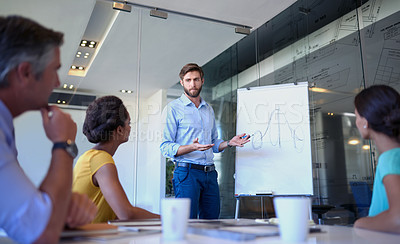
[
  {"x": 24, "y": 210},
  {"x": 184, "y": 123}
]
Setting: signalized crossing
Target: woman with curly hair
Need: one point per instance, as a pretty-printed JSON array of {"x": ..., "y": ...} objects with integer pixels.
[
  {"x": 107, "y": 124},
  {"x": 377, "y": 110}
]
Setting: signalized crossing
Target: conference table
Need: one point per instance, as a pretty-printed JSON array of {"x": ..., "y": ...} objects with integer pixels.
[
  {"x": 240, "y": 231},
  {"x": 235, "y": 232}
]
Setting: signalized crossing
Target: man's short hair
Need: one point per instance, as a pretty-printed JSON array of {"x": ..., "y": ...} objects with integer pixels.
[
  {"x": 24, "y": 40},
  {"x": 189, "y": 68}
]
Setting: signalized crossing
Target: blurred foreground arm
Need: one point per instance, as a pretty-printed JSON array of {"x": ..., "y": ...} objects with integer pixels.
[{"x": 59, "y": 127}]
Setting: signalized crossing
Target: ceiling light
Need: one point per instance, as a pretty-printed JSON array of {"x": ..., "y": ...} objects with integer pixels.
[
  {"x": 85, "y": 43},
  {"x": 158, "y": 14},
  {"x": 318, "y": 89},
  {"x": 122, "y": 7},
  {"x": 365, "y": 147},
  {"x": 353, "y": 141},
  {"x": 65, "y": 86},
  {"x": 78, "y": 55},
  {"x": 77, "y": 67},
  {"x": 71, "y": 86},
  {"x": 126, "y": 91},
  {"x": 349, "y": 114},
  {"x": 242, "y": 30}
]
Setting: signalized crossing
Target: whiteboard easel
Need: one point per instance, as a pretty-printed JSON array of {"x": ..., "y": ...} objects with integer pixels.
[{"x": 277, "y": 160}]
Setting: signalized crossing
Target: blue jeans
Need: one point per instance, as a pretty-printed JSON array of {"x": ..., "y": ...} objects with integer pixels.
[{"x": 202, "y": 189}]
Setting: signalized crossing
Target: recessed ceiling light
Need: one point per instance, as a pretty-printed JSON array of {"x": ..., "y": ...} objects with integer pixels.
[
  {"x": 353, "y": 141},
  {"x": 86, "y": 43},
  {"x": 126, "y": 91},
  {"x": 77, "y": 67},
  {"x": 78, "y": 55},
  {"x": 65, "y": 86}
]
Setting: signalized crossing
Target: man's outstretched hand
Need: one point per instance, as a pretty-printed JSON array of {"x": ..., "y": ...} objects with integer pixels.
[
  {"x": 239, "y": 140},
  {"x": 201, "y": 147}
]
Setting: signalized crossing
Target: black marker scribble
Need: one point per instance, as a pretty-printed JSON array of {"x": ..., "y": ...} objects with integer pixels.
[{"x": 296, "y": 134}]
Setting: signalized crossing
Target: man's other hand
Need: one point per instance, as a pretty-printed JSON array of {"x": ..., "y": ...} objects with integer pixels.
[
  {"x": 201, "y": 147},
  {"x": 81, "y": 210}
]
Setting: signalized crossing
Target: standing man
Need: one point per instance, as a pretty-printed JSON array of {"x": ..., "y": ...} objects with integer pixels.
[
  {"x": 29, "y": 60},
  {"x": 190, "y": 139}
]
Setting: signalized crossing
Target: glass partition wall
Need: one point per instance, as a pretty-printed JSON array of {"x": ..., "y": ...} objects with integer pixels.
[{"x": 338, "y": 47}]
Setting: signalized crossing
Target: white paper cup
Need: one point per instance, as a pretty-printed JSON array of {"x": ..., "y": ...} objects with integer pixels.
[
  {"x": 293, "y": 216},
  {"x": 174, "y": 218}
]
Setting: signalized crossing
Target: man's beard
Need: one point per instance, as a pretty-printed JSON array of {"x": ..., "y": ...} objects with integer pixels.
[{"x": 196, "y": 94}]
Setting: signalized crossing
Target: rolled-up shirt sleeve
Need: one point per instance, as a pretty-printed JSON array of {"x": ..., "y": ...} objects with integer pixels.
[
  {"x": 214, "y": 138},
  {"x": 169, "y": 147}
]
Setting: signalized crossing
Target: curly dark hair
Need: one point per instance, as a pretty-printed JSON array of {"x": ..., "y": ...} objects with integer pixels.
[
  {"x": 103, "y": 116},
  {"x": 380, "y": 105}
]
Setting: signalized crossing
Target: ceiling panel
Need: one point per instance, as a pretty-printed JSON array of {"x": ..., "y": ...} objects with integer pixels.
[{"x": 166, "y": 45}]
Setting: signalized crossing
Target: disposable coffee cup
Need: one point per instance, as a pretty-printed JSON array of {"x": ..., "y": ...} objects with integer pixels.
[
  {"x": 293, "y": 217},
  {"x": 174, "y": 218}
]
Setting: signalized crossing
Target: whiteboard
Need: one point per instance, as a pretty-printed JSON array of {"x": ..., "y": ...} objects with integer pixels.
[{"x": 277, "y": 160}]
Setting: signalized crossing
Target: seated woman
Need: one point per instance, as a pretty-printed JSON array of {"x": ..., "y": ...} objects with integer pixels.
[
  {"x": 107, "y": 123},
  {"x": 377, "y": 110}
]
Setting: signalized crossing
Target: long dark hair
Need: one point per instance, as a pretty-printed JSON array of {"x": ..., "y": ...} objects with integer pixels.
[
  {"x": 380, "y": 105},
  {"x": 103, "y": 116}
]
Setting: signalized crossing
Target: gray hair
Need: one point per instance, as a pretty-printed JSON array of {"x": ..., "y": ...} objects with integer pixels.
[{"x": 23, "y": 40}]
